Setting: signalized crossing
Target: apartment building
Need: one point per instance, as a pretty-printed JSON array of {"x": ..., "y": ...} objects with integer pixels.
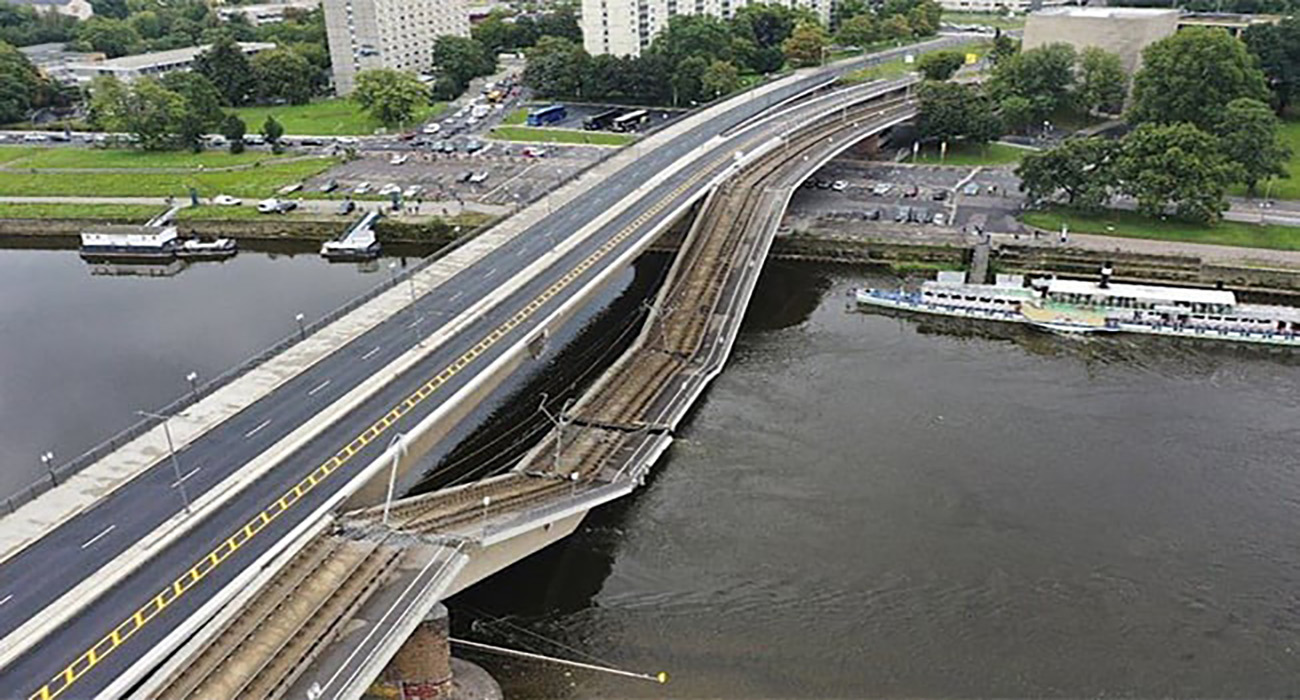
[
  {"x": 625, "y": 27},
  {"x": 399, "y": 34}
]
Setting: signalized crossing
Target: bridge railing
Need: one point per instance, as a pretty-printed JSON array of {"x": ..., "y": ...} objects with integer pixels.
[{"x": 60, "y": 473}]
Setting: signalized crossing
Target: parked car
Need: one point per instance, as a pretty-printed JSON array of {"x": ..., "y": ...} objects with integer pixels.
[
  {"x": 226, "y": 200},
  {"x": 398, "y": 159},
  {"x": 390, "y": 188},
  {"x": 254, "y": 139},
  {"x": 822, "y": 184},
  {"x": 312, "y": 141},
  {"x": 448, "y": 146},
  {"x": 362, "y": 188},
  {"x": 473, "y": 145},
  {"x": 478, "y": 178},
  {"x": 839, "y": 185},
  {"x": 329, "y": 185},
  {"x": 35, "y": 138},
  {"x": 971, "y": 189},
  {"x": 276, "y": 206},
  {"x": 881, "y": 189},
  {"x": 911, "y": 191},
  {"x": 346, "y": 207},
  {"x": 533, "y": 152},
  {"x": 940, "y": 219},
  {"x": 939, "y": 195},
  {"x": 465, "y": 176},
  {"x": 347, "y": 141},
  {"x": 903, "y": 214},
  {"x": 872, "y": 214},
  {"x": 413, "y": 191},
  {"x": 432, "y": 128}
]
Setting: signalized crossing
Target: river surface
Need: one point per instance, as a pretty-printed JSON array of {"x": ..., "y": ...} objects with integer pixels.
[
  {"x": 872, "y": 506},
  {"x": 861, "y": 504},
  {"x": 81, "y": 352}
]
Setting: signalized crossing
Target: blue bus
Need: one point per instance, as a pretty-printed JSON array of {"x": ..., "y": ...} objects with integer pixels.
[{"x": 547, "y": 115}]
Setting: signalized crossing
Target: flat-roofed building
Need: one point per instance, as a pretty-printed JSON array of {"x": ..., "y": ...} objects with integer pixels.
[
  {"x": 156, "y": 64},
  {"x": 81, "y": 9},
  {"x": 1120, "y": 30},
  {"x": 626, "y": 27},
  {"x": 266, "y": 13},
  {"x": 398, "y": 34}
]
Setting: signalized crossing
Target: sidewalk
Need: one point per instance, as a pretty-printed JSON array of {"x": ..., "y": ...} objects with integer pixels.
[{"x": 1258, "y": 257}]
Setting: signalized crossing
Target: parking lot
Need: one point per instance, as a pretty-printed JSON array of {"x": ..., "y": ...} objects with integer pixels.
[
  {"x": 575, "y": 113},
  {"x": 501, "y": 173},
  {"x": 887, "y": 197}
]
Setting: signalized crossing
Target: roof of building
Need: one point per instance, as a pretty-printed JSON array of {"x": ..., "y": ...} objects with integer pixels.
[
  {"x": 144, "y": 60},
  {"x": 1169, "y": 295},
  {"x": 1106, "y": 12}
]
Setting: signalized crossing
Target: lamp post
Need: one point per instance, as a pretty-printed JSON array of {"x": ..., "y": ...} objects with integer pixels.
[
  {"x": 193, "y": 378},
  {"x": 392, "y": 472},
  {"x": 302, "y": 330},
  {"x": 559, "y": 427},
  {"x": 47, "y": 461},
  {"x": 487, "y": 501},
  {"x": 171, "y": 450}
]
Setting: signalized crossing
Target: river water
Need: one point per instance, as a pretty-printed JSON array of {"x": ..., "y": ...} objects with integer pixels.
[
  {"x": 861, "y": 505},
  {"x": 872, "y": 506}
]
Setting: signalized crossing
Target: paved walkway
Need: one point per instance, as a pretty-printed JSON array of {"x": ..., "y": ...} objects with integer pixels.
[{"x": 1263, "y": 257}]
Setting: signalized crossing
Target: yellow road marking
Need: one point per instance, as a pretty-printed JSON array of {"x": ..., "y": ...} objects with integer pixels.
[{"x": 115, "y": 639}]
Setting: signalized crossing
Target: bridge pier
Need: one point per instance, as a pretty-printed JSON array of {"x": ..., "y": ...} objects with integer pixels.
[{"x": 424, "y": 670}]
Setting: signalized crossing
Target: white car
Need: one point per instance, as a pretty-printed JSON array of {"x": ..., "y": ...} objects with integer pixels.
[
  {"x": 35, "y": 137},
  {"x": 839, "y": 185},
  {"x": 361, "y": 188},
  {"x": 275, "y": 206},
  {"x": 226, "y": 200},
  {"x": 390, "y": 188},
  {"x": 347, "y": 140},
  {"x": 881, "y": 188},
  {"x": 398, "y": 159},
  {"x": 254, "y": 139},
  {"x": 413, "y": 191},
  {"x": 432, "y": 128}
]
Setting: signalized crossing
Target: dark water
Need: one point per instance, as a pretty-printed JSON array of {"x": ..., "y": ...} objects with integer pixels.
[
  {"x": 79, "y": 353},
  {"x": 873, "y": 506}
]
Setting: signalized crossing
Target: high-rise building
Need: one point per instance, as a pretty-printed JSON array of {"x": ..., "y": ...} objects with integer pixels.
[
  {"x": 626, "y": 27},
  {"x": 365, "y": 34}
]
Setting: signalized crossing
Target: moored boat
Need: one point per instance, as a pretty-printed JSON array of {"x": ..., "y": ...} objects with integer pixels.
[
  {"x": 125, "y": 243},
  {"x": 199, "y": 249}
]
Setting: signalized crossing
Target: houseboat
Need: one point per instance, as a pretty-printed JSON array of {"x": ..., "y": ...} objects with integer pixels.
[
  {"x": 358, "y": 242},
  {"x": 127, "y": 243},
  {"x": 1083, "y": 306}
]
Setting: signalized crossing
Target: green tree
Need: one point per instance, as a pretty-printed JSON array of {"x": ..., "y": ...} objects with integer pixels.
[
  {"x": 1044, "y": 76},
  {"x": 272, "y": 131},
  {"x": 556, "y": 68},
  {"x": 1081, "y": 169},
  {"x": 896, "y": 27},
  {"x": 495, "y": 33},
  {"x": 1276, "y": 47},
  {"x": 1175, "y": 167},
  {"x": 1101, "y": 81},
  {"x": 806, "y": 45},
  {"x": 924, "y": 17},
  {"x": 233, "y": 128},
  {"x": 21, "y": 85},
  {"x": 144, "y": 109},
  {"x": 949, "y": 111},
  {"x": 859, "y": 30},
  {"x": 462, "y": 59},
  {"x": 283, "y": 74},
  {"x": 225, "y": 64},
  {"x": 1248, "y": 136},
  {"x": 1004, "y": 47},
  {"x": 940, "y": 65},
  {"x": 1191, "y": 75},
  {"x": 115, "y": 9},
  {"x": 114, "y": 37},
  {"x": 390, "y": 96},
  {"x": 561, "y": 22},
  {"x": 720, "y": 78},
  {"x": 688, "y": 80},
  {"x": 767, "y": 25},
  {"x": 201, "y": 97},
  {"x": 1017, "y": 112},
  {"x": 689, "y": 36}
]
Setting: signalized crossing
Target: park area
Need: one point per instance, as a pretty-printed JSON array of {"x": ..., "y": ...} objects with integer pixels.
[
  {"x": 330, "y": 117},
  {"x": 41, "y": 172},
  {"x": 1128, "y": 224}
]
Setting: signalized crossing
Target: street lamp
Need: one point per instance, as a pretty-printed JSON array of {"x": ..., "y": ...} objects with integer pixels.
[
  {"x": 392, "y": 472},
  {"x": 302, "y": 330},
  {"x": 559, "y": 427},
  {"x": 47, "y": 461},
  {"x": 487, "y": 501},
  {"x": 171, "y": 449},
  {"x": 193, "y": 378}
]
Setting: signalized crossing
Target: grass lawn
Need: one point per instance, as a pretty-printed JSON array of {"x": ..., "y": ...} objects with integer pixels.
[
  {"x": 1127, "y": 224},
  {"x": 23, "y": 157},
  {"x": 517, "y": 117},
  {"x": 537, "y": 135},
  {"x": 992, "y": 19},
  {"x": 332, "y": 117},
  {"x": 968, "y": 154},
  {"x": 896, "y": 68},
  {"x": 255, "y": 182},
  {"x": 140, "y": 212},
  {"x": 1283, "y": 188}
]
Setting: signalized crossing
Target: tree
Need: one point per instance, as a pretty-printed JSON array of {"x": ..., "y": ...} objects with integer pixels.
[
  {"x": 495, "y": 32},
  {"x": 21, "y": 85},
  {"x": 720, "y": 78},
  {"x": 860, "y": 30},
  {"x": 1178, "y": 167},
  {"x": 1004, "y": 47},
  {"x": 806, "y": 45},
  {"x": 391, "y": 96},
  {"x": 1044, "y": 76},
  {"x": 461, "y": 59},
  {"x": 1248, "y": 136},
  {"x": 144, "y": 109},
  {"x": 940, "y": 65},
  {"x": 225, "y": 64},
  {"x": 949, "y": 111},
  {"x": 896, "y": 27},
  {"x": 1277, "y": 49},
  {"x": 686, "y": 36},
  {"x": 201, "y": 97},
  {"x": 766, "y": 25},
  {"x": 923, "y": 18},
  {"x": 233, "y": 128},
  {"x": 1191, "y": 75},
  {"x": 283, "y": 74},
  {"x": 556, "y": 68},
  {"x": 561, "y": 22},
  {"x": 114, "y": 37},
  {"x": 688, "y": 80},
  {"x": 1101, "y": 81},
  {"x": 1017, "y": 112},
  {"x": 272, "y": 130},
  {"x": 115, "y": 9},
  {"x": 1082, "y": 169}
]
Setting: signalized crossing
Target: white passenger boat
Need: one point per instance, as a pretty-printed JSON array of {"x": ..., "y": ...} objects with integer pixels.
[
  {"x": 1081, "y": 306},
  {"x": 130, "y": 243},
  {"x": 199, "y": 249}
]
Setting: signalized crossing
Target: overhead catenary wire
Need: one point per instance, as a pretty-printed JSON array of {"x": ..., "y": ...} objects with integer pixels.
[{"x": 660, "y": 677}]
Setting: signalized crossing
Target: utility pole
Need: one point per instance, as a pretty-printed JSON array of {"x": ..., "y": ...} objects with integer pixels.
[{"x": 171, "y": 450}]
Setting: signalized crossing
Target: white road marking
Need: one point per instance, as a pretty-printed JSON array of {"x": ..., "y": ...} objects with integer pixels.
[
  {"x": 489, "y": 273},
  {"x": 456, "y": 296},
  {"x": 322, "y": 385},
  {"x": 181, "y": 480},
  {"x": 6, "y": 599},
  {"x": 95, "y": 539},
  {"x": 370, "y": 354},
  {"x": 258, "y": 429},
  {"x": 415, "y": 323}
]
